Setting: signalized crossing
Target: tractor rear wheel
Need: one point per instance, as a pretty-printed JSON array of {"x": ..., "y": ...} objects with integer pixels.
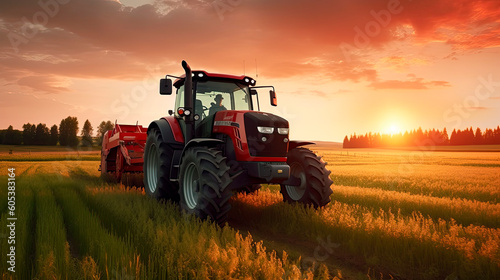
[
  {"x": 203, "y": 184},
  {"x": 157, "y": 161},
  {"x": 314, "y": 188},
  {"x": 120, "y": 163},
  {"x": 106, "y": 174},
  {"x": 104, "y": 165}
]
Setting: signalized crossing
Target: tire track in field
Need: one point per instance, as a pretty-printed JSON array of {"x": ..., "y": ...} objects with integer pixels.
[
  {"x": 25, "y": 225},
  {"x": 420, "y": 188},
  {"x": 73, "y": 245},
  {"x": 32, "y": 228},
  {"x": 111, "y": 222},
  {"x": 463, "y": 211},
  {"x": 104, "y": 248},
  {"x": 351, "y": 266},
  {"x": 256, "y": 221},
  {"x": 27, "y": 171}
]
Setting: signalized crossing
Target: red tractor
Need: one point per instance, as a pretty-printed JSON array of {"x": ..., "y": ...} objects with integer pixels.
[{"x": 216, "y": 142}]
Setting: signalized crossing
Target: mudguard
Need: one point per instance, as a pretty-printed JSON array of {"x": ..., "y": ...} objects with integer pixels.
[
  {"x": 294, "y": 144},
  {"x": 167, "y": 131}
]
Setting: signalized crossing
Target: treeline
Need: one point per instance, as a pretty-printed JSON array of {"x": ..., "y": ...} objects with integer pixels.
[
  {"x": 425, "y": 138},
  {"x": 65, "y": 135}
]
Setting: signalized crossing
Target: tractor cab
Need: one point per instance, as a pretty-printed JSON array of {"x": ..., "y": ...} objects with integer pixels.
[{"x": 213, "y": 93}]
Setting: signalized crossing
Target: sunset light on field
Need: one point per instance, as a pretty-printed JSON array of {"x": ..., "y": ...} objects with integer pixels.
[
  {"x": 250, "y": 139},
  {"x": 339, "y": 67}
]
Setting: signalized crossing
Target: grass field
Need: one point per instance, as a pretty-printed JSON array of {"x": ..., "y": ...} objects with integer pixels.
[
  {"x": 48, "y": 153},
  {"x": 407, "y": 214}
]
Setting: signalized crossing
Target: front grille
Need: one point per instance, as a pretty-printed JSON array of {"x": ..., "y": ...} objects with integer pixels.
[{"x": 275, "y": 144}]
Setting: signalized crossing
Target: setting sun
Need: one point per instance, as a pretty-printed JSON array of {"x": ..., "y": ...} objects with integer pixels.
[{"x": 394, "y": 129}]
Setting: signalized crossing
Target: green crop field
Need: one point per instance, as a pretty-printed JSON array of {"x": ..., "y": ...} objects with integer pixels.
[{"x": 407, "y": 214}]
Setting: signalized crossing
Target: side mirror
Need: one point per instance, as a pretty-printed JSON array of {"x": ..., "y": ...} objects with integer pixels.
[
  {"x": 165, "y": 87},
  {"x": 274, "y": 100}
]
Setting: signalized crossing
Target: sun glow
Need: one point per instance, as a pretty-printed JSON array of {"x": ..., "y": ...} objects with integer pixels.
[{"x": 394, "y": 129}]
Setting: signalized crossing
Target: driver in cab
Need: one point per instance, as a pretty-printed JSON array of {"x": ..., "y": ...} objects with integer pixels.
[{"x": 217, "y": 106}]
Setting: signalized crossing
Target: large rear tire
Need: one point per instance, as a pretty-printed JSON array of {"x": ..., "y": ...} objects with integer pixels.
[
  {"x": 157, "y": 161},
  {"x": 108, "y": 166},
  {"x": 104, "y": 165},
  {"x": 203, "y": 184},
  {"x": 120, "y": 163},
  {"x": 314, "y": 188}
]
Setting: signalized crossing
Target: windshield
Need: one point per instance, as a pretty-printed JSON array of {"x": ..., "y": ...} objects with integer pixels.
[
  {"x": 218, "y": 96},
  {"x": 212, "y": 97}
]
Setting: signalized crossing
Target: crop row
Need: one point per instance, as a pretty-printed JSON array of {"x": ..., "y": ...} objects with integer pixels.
[
  {"x": 463, "y": 211},
  {"x": 70, "y": 228},
  {"x": 409, "y": 244},
  {"x": 423, "y": 186},
  {"x": 195, "y": 249}
]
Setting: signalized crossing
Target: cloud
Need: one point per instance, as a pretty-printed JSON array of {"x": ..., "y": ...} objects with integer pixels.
[
  {"x": 411, "y": 83},
  {"x": 46, "y": 84},
  {"x": 105, "y": 39},
  {"x": 478, "y": 108},
  {"x": 455, "y": 22},
  {"x": 403, "y": 63}
]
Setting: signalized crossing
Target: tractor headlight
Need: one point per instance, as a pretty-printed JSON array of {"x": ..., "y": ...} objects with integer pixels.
[
  {"x": 265, "y": 129},
  {"x": 283, "y": 130}
]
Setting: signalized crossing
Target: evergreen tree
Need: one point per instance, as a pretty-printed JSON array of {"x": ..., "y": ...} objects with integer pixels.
[
  {"x": 54, "y": 135},
  {"x": 102, "y": 128},
  {"x": 68, "y": 130},
  {"x": 478, "y": 137},
  {"x": 419, "y": 137},
  {"x": 453, "y": 137},
  {"x": 42, "y": 135},
  {"x": 28, "y": 136},
  {"x": 13, "y": 137},
  {"x": 87, "y": 131},
  {"x": 346, "y": 142},
  {"x": 444, "y": 138}
]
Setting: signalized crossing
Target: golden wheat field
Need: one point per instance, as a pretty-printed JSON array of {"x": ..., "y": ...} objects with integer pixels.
[{"x": 409, "y": 214}]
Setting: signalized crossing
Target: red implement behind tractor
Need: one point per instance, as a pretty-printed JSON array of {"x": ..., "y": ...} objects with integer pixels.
[
  {"x": 215, "y": 143},
  {"x": 122, "y": 150}
]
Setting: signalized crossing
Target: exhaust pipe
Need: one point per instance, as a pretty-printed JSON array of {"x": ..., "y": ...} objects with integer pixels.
[{"x": 188, "y": 101}]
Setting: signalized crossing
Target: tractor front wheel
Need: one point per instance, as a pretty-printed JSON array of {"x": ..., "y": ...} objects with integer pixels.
[
  {"x": 157, "y": 161},
  {"x": 314, "y": 188},
  {"x": 203, "y": 184}
]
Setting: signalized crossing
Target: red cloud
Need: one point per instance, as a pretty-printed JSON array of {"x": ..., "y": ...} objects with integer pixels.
[
  {"x": 412, "y": 83},
  {"x": 48, "y": 84},
  {"x": 102, "y": 38}
]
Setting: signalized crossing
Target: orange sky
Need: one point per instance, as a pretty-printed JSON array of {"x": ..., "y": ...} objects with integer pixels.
[{"x": 339, "y": 67}]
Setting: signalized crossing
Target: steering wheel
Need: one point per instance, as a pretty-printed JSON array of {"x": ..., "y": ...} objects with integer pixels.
[{"x": 204, "y": 109}]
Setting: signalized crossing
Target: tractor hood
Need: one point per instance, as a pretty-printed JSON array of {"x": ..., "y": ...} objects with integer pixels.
[
  {"x": 267, "y": 134},
  {"x": 265, "y": 119}
]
